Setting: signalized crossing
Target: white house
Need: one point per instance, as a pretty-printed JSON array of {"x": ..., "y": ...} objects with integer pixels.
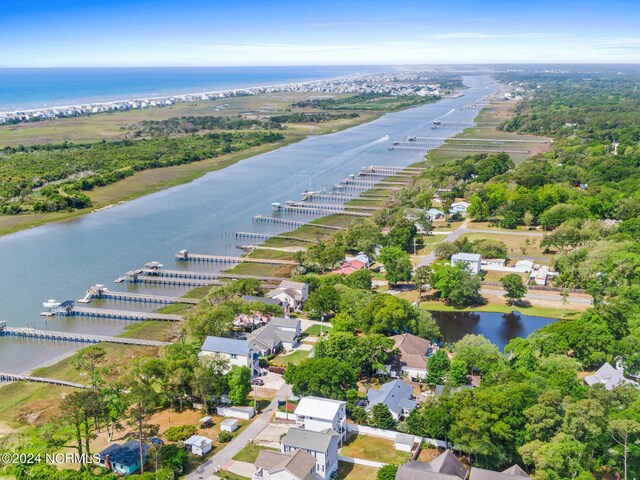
[
  {"x": 198, "y": 445},
  {"x": 434, "y": 214},
  {"x": 459, "y": 207},
  {"x": 293, "y": 294},
  {"x": 321, "y": 414},
  {"x": 473, "y": 261},
  {"x": 237, "y": 352},
  {"x": 293, "y": 465},
  {"x": 321, "y": 445}
]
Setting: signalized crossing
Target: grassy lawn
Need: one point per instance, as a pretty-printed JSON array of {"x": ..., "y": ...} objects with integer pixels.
[
  {"x": 350, "y": 471},
  {"x": 295, "y": 357},
  {"x": 260, "y": 269},
  {"x": 225, "y": 475},
  {"x": 176, "y": 308},
  {"x": 271, "y": 254},
  {"x": 373, "y": 448},
  {"x": 316, "y": 329},
  {"x": 198, "y": 292},
  {"x": 520, "y": 245},
  {"x": 336, "y": 220},
  {"x": 151, "y": 330},
  {"x": 250, "y": 452},
  {"x": 494, "y": 307}
]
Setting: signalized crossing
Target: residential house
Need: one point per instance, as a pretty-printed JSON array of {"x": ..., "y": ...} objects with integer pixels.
[
  {"x": 293, "y": 465},
  {"x": 238, "y": 352},
  {"x": 198, "y": 445},
  {"x": 413, "y": 356},
  {"x": 473, "y": 261},
  {"x": 278, "y": 334},
  {"x": 511, "y": 473},
  {"x": 347, "y": 267},
  {"x": 396, "y": 395},
  {"x": 265, "y": 300},
  {"x": 123, "y": 459},
  {"x": 291, "y": 294},
  {"x": 609, "y": 376},
  {"x": 321, "y": 445},
  {"x": 459, "y": 207},
  {"x": 434, "y": 214},
  {"x": 322, "y": 414},
  {"x": 360, "y": 257},
  {"x": 444, "y": 467}
]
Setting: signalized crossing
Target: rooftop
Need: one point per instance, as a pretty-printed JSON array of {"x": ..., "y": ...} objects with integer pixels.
[
  {"x": 395, "y": 394},
  {"x": 444, "y": 467},
  {"x": 511, "y": 473},
  {"x": 226, "y": 345},
  {"x": 309, "y": 440},
  {"x": 126, "y": 454},
  {"x": 317, "y": 407},
  {"x": 298, "y": 462},
  {"x": 466, "y": 257}
]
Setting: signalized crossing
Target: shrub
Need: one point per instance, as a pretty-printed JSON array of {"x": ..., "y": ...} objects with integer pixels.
[
  {"x": 224, "y": 436},
  {"x": 180, "y": 433}
]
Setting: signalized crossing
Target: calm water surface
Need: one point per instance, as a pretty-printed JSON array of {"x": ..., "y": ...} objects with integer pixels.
[
  {"x": 62, "y": 260},
  {"x": 497, "y": 327}
]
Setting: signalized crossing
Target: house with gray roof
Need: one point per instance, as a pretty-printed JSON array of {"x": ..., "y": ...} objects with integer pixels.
[
  {"x": 293, "y": 465},
  {"x": 321, "y": 445},
  {"x": 237, "y": 352},
  {"x": 511, "y": 473},
  {"x": 444, "y": 467},
  {"x": 472, "y": 261},
  {"x": 291, "y": 294},
  {"x": 396, "y": 395},
  {"x": 608, "y": 376},
  {"x": 279, "y": 333}
]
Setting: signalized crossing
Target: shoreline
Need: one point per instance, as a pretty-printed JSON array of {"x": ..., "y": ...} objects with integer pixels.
[{"x": 143, "y": 97}]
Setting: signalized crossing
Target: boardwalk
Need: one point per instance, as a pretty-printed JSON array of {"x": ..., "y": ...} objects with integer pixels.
[
  {"x": 293, "y": 223},
  {"x": 315, "y": 209},
  {"x": 100, "y": 291},
  {"x": 147, "y": 273},
  {"x": 184, "y": 255},
  {"x": 12, "y": 377},
  {"x": 76, "y": 337},
  {"x": 267, "y": 236},
  {"x": 119, "y": 314}
]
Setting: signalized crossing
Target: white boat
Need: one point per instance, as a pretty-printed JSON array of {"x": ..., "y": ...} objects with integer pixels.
[{"x": 51, "y": 303}]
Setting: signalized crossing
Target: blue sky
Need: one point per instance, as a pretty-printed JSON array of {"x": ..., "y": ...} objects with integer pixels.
[{"x": 52, "y": 33}]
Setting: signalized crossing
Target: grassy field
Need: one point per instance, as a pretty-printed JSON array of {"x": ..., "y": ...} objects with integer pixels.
[
  {"x": 517, "y": 245},
  {"x": 151, "y": 330},
  {"x": 316, "y": 329},
  {"x": 502, "y": 308},
  {"x": 295, "y": 357},
  {"x": 250, "y": 452},
  {"x": 350, "y": 471},
  {"x": 373, "y": 448}
]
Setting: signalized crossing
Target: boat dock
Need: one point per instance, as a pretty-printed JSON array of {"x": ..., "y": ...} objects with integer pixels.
[
  {"x": 371, "y": 183},
  {"x": 69, "y": 309},
  {"x": 102, "y": 292},
  {"x": 314, "y": 210},
  {"x": 494, "y": 141},
  {"x": 13, "y": 377},
  {"x": 74, "y": 337},
  {"x": 293, "y": 223},
  {"x": 361, "y": 188},
  {"x": 391, "y": 170},
  {"x": 209, "y": 277},
  {"x": 266, "y": 236},
  {"x": 184, "y": 255}
]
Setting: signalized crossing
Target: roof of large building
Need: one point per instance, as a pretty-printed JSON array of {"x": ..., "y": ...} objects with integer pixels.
[
  {"x": 609, "y": 376},
  {"x": 317, "y": 407},
  {"x": 413, "y": 350},
  {"x": 285, "y": 322},
  {"x": 309, "y": 440},
  {"x": 290, "y": 292},
  {"x": 126, "y": 454},
  {"x": 510, "y": 473},
  {"x": 444, "y": 467},
  {"x": 395, "y": 394},
  {"x": 226, "y": 345},
  {"x": 270, "y": 336},
  {"x": 297, "y": 462},
  {"x": 466, "y": 257}
]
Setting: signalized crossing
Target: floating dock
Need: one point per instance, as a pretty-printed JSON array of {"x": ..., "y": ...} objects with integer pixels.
[
  {"x": 102, "y": 292},
  {"x": 185, "y": 255},
  {"x": 75, "y": 337}
]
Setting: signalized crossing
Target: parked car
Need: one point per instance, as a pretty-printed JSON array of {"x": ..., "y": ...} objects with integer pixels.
[{"x": 257, "y": 381}]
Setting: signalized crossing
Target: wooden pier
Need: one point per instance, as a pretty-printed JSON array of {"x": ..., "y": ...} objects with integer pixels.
[
  {"x": 75, "y": 337},
  {"x": 69, "y": 309},
  {"x": 292, "y": 223},
  {"x": 134, "y": 276},
  {"x": 267, "y": 236},
  {"x": 361, "y": 188},
  {"x": 372, "y": 183},
  {"x": 101, "y": 292},
  {"x": 391, "y": 170},
  {"x": 310, "y": 209},
  {"x": 184, "y": 255},
  {"x": 12, "y": 377}
]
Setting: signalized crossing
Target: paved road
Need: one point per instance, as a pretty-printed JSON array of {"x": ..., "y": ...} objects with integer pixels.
[{"x": 206, "y": 471}]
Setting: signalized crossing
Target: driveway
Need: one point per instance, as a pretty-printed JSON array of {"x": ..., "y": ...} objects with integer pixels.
[{"x": 222, "y": 458}]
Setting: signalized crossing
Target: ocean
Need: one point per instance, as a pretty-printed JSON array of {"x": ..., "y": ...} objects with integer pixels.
[{"x": 31, "y": 88}]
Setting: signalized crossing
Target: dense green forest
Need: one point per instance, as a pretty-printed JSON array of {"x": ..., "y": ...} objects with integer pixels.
[{"x": 47, "y": 178}]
